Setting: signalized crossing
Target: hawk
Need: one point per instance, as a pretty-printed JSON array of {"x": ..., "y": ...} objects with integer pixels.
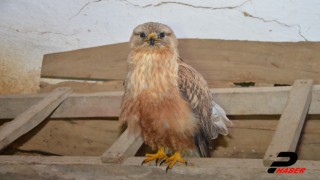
[{"x": 166, "y": 100}]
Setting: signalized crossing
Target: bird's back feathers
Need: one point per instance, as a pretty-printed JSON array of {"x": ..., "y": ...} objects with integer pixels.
[{"x": 211, "y": 117}]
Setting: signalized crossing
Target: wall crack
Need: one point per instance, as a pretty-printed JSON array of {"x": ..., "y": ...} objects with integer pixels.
[
  {"x": 83, "y": 7},
  {"x": 279, "y": 23},
  {"x": 186, "y": 4}
]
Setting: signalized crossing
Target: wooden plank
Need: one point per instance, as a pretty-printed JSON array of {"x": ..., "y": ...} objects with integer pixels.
[
  {"x": 236, "y": 101},
  {"x": 99, "y": 63},
  {"x": 251, "y": 138},
  {"x": 75, "y": 106},
  {"x": 83, "y": 137},
  {"x": 291, "y": 121},
  {"x": 206, "y": 168},
  {"x": 32, "y": 117},
  {"x": 126, "y": 145},
  {"x": 6, "y": 159},
  {"x": 216, "y": 60},
  {"x": 91, "y": 137}
]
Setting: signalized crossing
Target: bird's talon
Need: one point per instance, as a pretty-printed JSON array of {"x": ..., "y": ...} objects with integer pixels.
[
  {"x": 167, "y": 169},
  {"x": 142, "y": 163},
  {"x": 176, "y": 157},
  {"x": 162, "y": 161},
  {"x": 160, "y": 155}
]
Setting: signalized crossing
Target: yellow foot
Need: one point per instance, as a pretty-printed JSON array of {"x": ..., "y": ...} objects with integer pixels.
[
  {"x": 176, "y": 157},
  {"x": 160, "y": 155}
]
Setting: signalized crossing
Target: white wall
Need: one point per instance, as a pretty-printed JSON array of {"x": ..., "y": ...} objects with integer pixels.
[{"x": 31, "y": 28}]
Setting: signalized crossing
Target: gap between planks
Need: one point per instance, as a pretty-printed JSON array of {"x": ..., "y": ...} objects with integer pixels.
[{"x": 32, "y": 117}]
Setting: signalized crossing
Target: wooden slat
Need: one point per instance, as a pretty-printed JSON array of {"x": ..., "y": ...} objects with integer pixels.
[
  {"x": 89, "y": 137},
  {"x": 99, "y": 63},
  {"x": 125, "y": 146},
  {"x": 216, "y": 60},
  {"x": 236, "y": 101},
  {"x": 75, "y": 106},
  {"x": 32, "y": 117},
  {"x": 291, "y": 121},
  {"x": 205, "y": 168}
]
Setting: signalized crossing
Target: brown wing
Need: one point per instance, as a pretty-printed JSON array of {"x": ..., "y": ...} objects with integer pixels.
[{"x": 211, "y": 117}]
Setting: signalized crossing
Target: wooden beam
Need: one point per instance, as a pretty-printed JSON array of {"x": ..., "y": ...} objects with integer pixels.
[
  {"x": 105, "y": 104},
  {"x": 17, "y": 159},
  {"x": 125, "y": 146},
  {"x": 32, "y": 117},
  {"x": 21, "y": 167},
  {"x": 236, "y": 101},
  {"x": 264, "y": 62},
  {"x": 99, "y": 63},
  {"x": 291, "y": 121}
]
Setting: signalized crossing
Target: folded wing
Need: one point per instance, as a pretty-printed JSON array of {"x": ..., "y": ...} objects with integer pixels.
[{"x": 211, "y": 117}]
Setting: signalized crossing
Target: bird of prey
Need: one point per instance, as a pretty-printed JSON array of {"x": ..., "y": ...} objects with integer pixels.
[{"x": 166, "y": 100}]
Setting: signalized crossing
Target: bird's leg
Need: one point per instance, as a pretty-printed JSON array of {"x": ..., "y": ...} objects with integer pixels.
[
  {"x": 172, "y": 160},
  {"x": 160, "y": 155}
]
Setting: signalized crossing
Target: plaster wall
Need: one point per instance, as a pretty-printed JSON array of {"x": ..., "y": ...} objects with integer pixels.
[{"x": 31, "y": 28}]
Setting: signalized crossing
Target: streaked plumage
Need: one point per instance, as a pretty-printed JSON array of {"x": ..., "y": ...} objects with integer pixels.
[{"x": 165, "y": 99}]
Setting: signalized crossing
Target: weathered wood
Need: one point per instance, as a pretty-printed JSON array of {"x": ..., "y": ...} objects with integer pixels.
[
  {"x": 291, "y": 121},
  {"x": 250, "y": 139},
  {"x": 205, "y": 168},
  {"x": 70, "y": 160},
  {"x": 32, "y": 117},
  {"x": 216, "y": 60},
  {"x": 125, "y": 146},
  {"x": 75, "y": 106},
  {"x": 236, "y": 101},
  {"x": 91, "y": 137},
  {"x": 83, "y": 137},
  {"x": 104, "y": 62}
]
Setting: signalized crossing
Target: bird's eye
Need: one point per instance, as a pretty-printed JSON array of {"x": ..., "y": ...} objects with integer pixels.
[
  {"x": 142, "y": 35},
  {"x": 162, "y": 35}
]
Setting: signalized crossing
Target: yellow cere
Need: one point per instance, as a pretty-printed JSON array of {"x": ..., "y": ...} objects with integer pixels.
[{"x": 152, "y": 35}]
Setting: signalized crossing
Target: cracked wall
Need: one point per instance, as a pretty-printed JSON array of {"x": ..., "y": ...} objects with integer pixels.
[{"x": 32, "y": 28}]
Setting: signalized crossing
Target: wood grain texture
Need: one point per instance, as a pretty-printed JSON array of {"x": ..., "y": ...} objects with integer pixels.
[
  {"x": 219, "y": 61},
  {"x": 31, "y": 117},
  {"x": 70, "y": 160},
  {"x": 125, "y": 146},
  {"x": 235, "y": 101},
  {"x": 104, "y": 62},
  {"x": 71, "y": 137},
  {"x": 291, "y": 121},
  {"x": 90, "y": 168},
  {"x": 250, "y": 138},
  {"x": 91, "y": 137},
  {"x": 104, "y": 104}
]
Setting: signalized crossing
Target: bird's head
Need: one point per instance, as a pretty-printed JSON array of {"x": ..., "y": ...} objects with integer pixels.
[{"x": 153, "y": 35}]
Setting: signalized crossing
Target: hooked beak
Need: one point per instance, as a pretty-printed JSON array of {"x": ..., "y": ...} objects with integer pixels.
[{"x": 152, "y": 39}]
